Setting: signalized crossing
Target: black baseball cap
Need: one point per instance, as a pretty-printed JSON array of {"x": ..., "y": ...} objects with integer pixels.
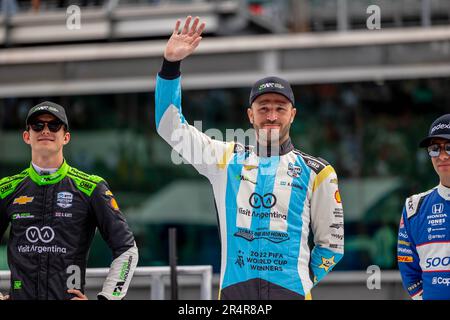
[
  {"x": 48, "y": 107},
  {"x": 440, "y": 128},
  {"x": 272, "y": 85}
]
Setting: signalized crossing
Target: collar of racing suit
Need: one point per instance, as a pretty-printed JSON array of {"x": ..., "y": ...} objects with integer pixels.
[
  {"x": 284, "y": 148},
  {"x": 51, "y": 178},
  {"x": 444, "y": 191},
  {"x": 43, "y": 171}
]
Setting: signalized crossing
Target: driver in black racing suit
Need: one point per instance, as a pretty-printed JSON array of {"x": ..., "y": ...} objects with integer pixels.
[{"x": 54, "y": 210}]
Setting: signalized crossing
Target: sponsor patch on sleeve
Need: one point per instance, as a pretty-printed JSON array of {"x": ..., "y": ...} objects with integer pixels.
[
  {"x": 108, "y": 193},
  {"x": 327, "y": 263},
  {"x": 114, "y": 204},
  {"x": 406, "y": 259},
  {"x": 337, "y": 196}
]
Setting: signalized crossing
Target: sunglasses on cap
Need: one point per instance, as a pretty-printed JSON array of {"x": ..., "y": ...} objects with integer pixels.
[
  {"x": 434, "y": 150},
  {"x": 53, "y": 126}
]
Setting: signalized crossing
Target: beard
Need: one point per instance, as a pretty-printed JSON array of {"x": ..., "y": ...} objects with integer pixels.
[
  {"x": 268, "y": 137},
  {"x": 271, "y": 136},
  {"x": 271, "y": 139}
]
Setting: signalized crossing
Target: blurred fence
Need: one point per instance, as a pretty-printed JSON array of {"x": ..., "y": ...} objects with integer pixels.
[
  {"x": 148, "y": 282},
  {"x": 198, "y": 283}
]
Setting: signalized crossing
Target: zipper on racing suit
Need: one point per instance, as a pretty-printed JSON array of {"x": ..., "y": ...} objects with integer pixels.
[
  {"x": 43, "y": 257},
  {"x": 263, "y": 286}
]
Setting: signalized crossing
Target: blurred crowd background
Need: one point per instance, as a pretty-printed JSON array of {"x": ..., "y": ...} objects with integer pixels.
[{"x": 367, "y": 127}]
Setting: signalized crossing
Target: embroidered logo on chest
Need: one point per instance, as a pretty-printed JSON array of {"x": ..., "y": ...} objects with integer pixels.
[
  {"x": 64, "y": 200},
  {"x": 293, "y": 170}
]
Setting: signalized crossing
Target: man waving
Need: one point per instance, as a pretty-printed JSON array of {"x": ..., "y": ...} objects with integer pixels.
[{"x": 270, "y": 198}]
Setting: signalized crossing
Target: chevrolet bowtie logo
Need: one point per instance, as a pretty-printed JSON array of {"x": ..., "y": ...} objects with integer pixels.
[{"x": 23, "y": 200}]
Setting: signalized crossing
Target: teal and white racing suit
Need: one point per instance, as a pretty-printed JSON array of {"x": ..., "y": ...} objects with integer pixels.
[{"x": 280, "y": 217}]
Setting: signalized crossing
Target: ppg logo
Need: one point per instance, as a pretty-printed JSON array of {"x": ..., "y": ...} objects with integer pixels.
[
  {"x": 45, "y": 234},
  {"x": 437, "y": 208}
]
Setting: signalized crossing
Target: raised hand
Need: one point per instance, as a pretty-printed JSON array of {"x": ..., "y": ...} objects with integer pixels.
[{"x": 182, "y": 44}]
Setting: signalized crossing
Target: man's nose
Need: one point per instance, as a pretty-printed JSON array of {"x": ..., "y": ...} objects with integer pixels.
[
  {"x": 272, "y": 116},
  {"x": 46, "y": 130},
  {"x": 443, "y": 155}
]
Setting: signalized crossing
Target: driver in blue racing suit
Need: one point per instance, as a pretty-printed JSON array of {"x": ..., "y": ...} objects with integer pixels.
[
  {"x": 280, "y": 212},
  {"x": 424, "y": 233}
]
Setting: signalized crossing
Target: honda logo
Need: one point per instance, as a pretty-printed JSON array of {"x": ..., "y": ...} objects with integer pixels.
[{"x": 437, "y": 208}]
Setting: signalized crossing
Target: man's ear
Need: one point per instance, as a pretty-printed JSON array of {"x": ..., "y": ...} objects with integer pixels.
[
  {"x": 293, "y": 113},
  {"x": 66, "y": 138},
  {"x": 26, "y": 137},
  {"x": 250, "y": 114}
]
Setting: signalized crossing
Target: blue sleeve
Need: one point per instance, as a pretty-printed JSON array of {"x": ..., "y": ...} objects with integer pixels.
[
  {"x": 167, "y": 93},
  {"x": 168, "y": 90},
  {"x": 408, "y": 259},
  {"x": 195, "y": 147},
  {"x": 322, "y": 262}
]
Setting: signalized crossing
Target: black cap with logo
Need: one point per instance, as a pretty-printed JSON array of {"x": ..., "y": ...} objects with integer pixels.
[
  {"x": 440, "y": 128},
  {"x": 48, "y": 107},
  {"x": 272, "y": 85}
]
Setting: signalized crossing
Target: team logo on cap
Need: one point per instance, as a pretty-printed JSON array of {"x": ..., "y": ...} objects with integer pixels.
[
  {"x": 46, "y": 108},
  {"x": 440, "y": 126},
  {"x": 270, "y": 85}
]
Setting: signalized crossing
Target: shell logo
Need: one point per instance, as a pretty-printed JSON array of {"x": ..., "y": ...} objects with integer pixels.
[
  {"x": 114, "y": 204},
  {"x": 337, "y": 197}
]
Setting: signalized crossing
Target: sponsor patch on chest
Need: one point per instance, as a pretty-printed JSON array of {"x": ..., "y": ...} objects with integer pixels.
[
  {"x": 64, "y": 199},
  {"x": 293, "y": 170}
]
